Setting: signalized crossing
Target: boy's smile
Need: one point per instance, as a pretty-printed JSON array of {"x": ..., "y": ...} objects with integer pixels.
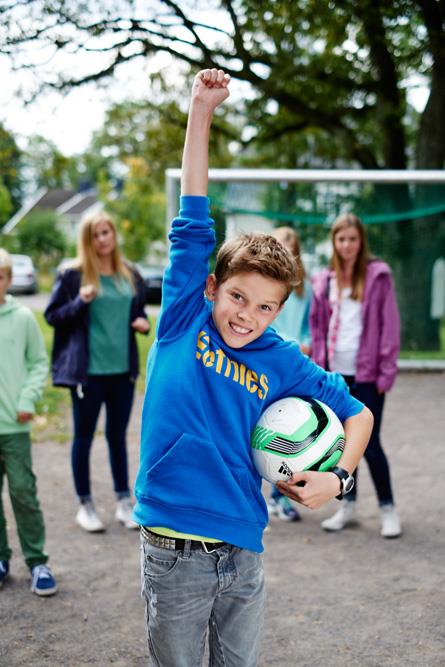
[{"x": 244, "y": 306}]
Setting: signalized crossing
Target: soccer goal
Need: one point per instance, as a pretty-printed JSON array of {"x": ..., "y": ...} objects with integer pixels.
[{"x": 404, "y": 212}]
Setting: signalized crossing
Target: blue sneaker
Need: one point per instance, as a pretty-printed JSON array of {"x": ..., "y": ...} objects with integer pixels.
[
  {"x": 43, "y": 582},
  {"x": 4, "y": 571},
  {"x": 283, "y": 509}
]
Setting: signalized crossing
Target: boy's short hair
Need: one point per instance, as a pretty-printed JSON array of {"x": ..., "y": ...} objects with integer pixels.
[
  {"x": 258, "y": 252},
  {"x": 6, "y": 261}
]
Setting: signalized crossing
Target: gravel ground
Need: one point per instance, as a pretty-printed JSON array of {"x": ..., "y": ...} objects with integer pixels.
[{"x": 333, "y": 599}]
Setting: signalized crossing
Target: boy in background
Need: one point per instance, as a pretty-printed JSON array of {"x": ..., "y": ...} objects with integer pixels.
[
  {"x": 215, "y": 366},
  {"x": 23, "y": 370}
]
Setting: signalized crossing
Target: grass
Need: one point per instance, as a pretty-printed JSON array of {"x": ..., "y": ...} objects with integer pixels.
[
  {"x": 45, "y": 279},
  {"x": 53, "y": 408},
  {"x": 428, "y": 355}
]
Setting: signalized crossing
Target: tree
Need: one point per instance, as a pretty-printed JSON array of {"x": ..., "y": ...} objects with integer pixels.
[
  {"x": 138, "y": 211},
  {"x": 48, "y": 167},
  {"x": 10, "y": 167},
  {"x": 39, "y": 236},
  {"x": 340, "y": 70},
  {"x": 5, "y": 203},
  {"x": 136, "y": 144},
  {"x": 155, "y": 133},
  {"x": 343, "y": 67}
]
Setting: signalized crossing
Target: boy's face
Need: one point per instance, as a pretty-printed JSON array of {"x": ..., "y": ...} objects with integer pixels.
[
  {"x": 244, "y": 306},
  {"x": 5, "y": 281}
]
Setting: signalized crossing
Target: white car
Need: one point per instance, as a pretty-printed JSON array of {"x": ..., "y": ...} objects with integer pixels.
[{"x": 24, "y": 275}]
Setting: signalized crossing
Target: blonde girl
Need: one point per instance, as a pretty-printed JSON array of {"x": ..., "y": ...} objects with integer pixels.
[{"x": 96, "y": 307}]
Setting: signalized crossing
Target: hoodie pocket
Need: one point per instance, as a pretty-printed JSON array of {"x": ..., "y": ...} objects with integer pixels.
[{"x": 193, "y": 475}]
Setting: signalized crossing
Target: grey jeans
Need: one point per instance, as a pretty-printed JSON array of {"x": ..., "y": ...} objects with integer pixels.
[{"x": 191, "y": 593}]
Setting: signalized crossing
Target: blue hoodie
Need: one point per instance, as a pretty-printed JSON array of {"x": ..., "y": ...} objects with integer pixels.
[{"x": 204, "y": 398}]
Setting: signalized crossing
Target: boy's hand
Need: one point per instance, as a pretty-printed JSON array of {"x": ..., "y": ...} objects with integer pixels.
[
  {"x": 24, "y": 417},
  {"x": 312, "y": 489},
  {"x": 210, "y": 88}
]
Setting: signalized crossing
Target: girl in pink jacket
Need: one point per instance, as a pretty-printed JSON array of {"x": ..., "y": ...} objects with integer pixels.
[{"x": 355, "y": 330}]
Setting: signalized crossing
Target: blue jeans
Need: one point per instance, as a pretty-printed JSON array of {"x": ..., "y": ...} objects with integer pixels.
[
  {"x": 374, "y": 455},
  {"x": 191, "y": 593},
  {"x": 116, "y": 392}
]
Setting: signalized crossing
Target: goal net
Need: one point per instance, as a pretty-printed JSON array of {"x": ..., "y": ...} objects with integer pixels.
[{"x": 404, "y": 213}]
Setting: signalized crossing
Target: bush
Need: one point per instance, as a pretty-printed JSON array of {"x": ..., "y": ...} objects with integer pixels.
[{"x": 39, "y": 236}]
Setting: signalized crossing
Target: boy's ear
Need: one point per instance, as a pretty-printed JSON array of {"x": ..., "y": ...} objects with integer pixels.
[{"x": 211, "y": 287}]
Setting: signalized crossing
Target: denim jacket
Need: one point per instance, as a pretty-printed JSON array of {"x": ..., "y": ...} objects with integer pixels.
[{"x": 69, "y": 316}]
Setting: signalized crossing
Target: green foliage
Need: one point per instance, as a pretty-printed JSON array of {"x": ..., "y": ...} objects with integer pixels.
[
  {"x": 38, "y": 235},
  {"x": 154, "y": 133},
  {"x": 139, "y": 211},
  {"x": 49, "y": 167},
  {"x": 6, "y": 205},
  {"x": 10, "y": 166}
]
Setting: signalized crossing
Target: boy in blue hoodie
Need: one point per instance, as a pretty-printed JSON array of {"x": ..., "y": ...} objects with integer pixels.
[
  {"x": 213, "y": 369},
  {"x": 23, "y": 370}
]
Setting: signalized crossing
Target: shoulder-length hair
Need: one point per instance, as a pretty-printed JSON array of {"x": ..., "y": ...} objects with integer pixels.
[
  {"x": 361, "y": 263},
  {"x": 289, "y": 238},
  {"x": 87, "y": 260}
]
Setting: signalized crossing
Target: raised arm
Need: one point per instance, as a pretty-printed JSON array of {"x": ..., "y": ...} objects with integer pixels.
[{"x": 209, "y": 90}]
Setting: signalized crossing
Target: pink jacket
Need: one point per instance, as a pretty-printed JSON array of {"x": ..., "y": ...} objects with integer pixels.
[{"x": 380, "y": 340}]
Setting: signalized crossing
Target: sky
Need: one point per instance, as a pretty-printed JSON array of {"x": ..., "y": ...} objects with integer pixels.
[{"x": 68, "y": 120}]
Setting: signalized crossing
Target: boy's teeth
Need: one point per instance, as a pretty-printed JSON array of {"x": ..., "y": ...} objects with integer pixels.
[{"x": 240, "y": 330}]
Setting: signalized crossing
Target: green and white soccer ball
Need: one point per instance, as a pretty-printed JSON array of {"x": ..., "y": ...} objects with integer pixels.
[{"x": 296, "y": 434}]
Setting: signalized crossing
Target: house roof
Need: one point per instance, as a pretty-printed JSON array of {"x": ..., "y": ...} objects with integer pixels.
[{"x": 61, "y": 201}]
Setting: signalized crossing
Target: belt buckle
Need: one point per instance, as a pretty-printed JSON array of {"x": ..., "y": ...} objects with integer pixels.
[{"x": 209, "y": 551}]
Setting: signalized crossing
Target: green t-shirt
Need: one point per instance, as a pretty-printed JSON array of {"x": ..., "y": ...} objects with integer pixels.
[{"x": 109, "y": 327}]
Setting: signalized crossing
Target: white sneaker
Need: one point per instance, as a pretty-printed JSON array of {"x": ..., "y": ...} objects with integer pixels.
[
  {"x": 87, "y": 518},
  {"x": 390, "y": 522},
  {"x": 343, "y": 517},
  {"x": 124, "y": 511}
]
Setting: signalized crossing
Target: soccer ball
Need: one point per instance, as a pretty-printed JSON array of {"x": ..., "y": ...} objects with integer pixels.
[{"x": 296, "y": 434}]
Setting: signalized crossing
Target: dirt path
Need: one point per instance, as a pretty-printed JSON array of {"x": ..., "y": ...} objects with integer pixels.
[{"x": 351, "y": 598}]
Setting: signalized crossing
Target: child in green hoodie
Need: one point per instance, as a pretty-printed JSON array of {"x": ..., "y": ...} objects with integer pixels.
[{"x": 23, "y": 369}]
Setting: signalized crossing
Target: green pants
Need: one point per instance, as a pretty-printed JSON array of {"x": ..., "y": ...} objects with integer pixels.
[{"x": 15, "y": 462}]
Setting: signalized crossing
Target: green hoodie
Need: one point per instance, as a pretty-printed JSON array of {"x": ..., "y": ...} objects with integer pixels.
[{"x": 23, "y": 364}]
